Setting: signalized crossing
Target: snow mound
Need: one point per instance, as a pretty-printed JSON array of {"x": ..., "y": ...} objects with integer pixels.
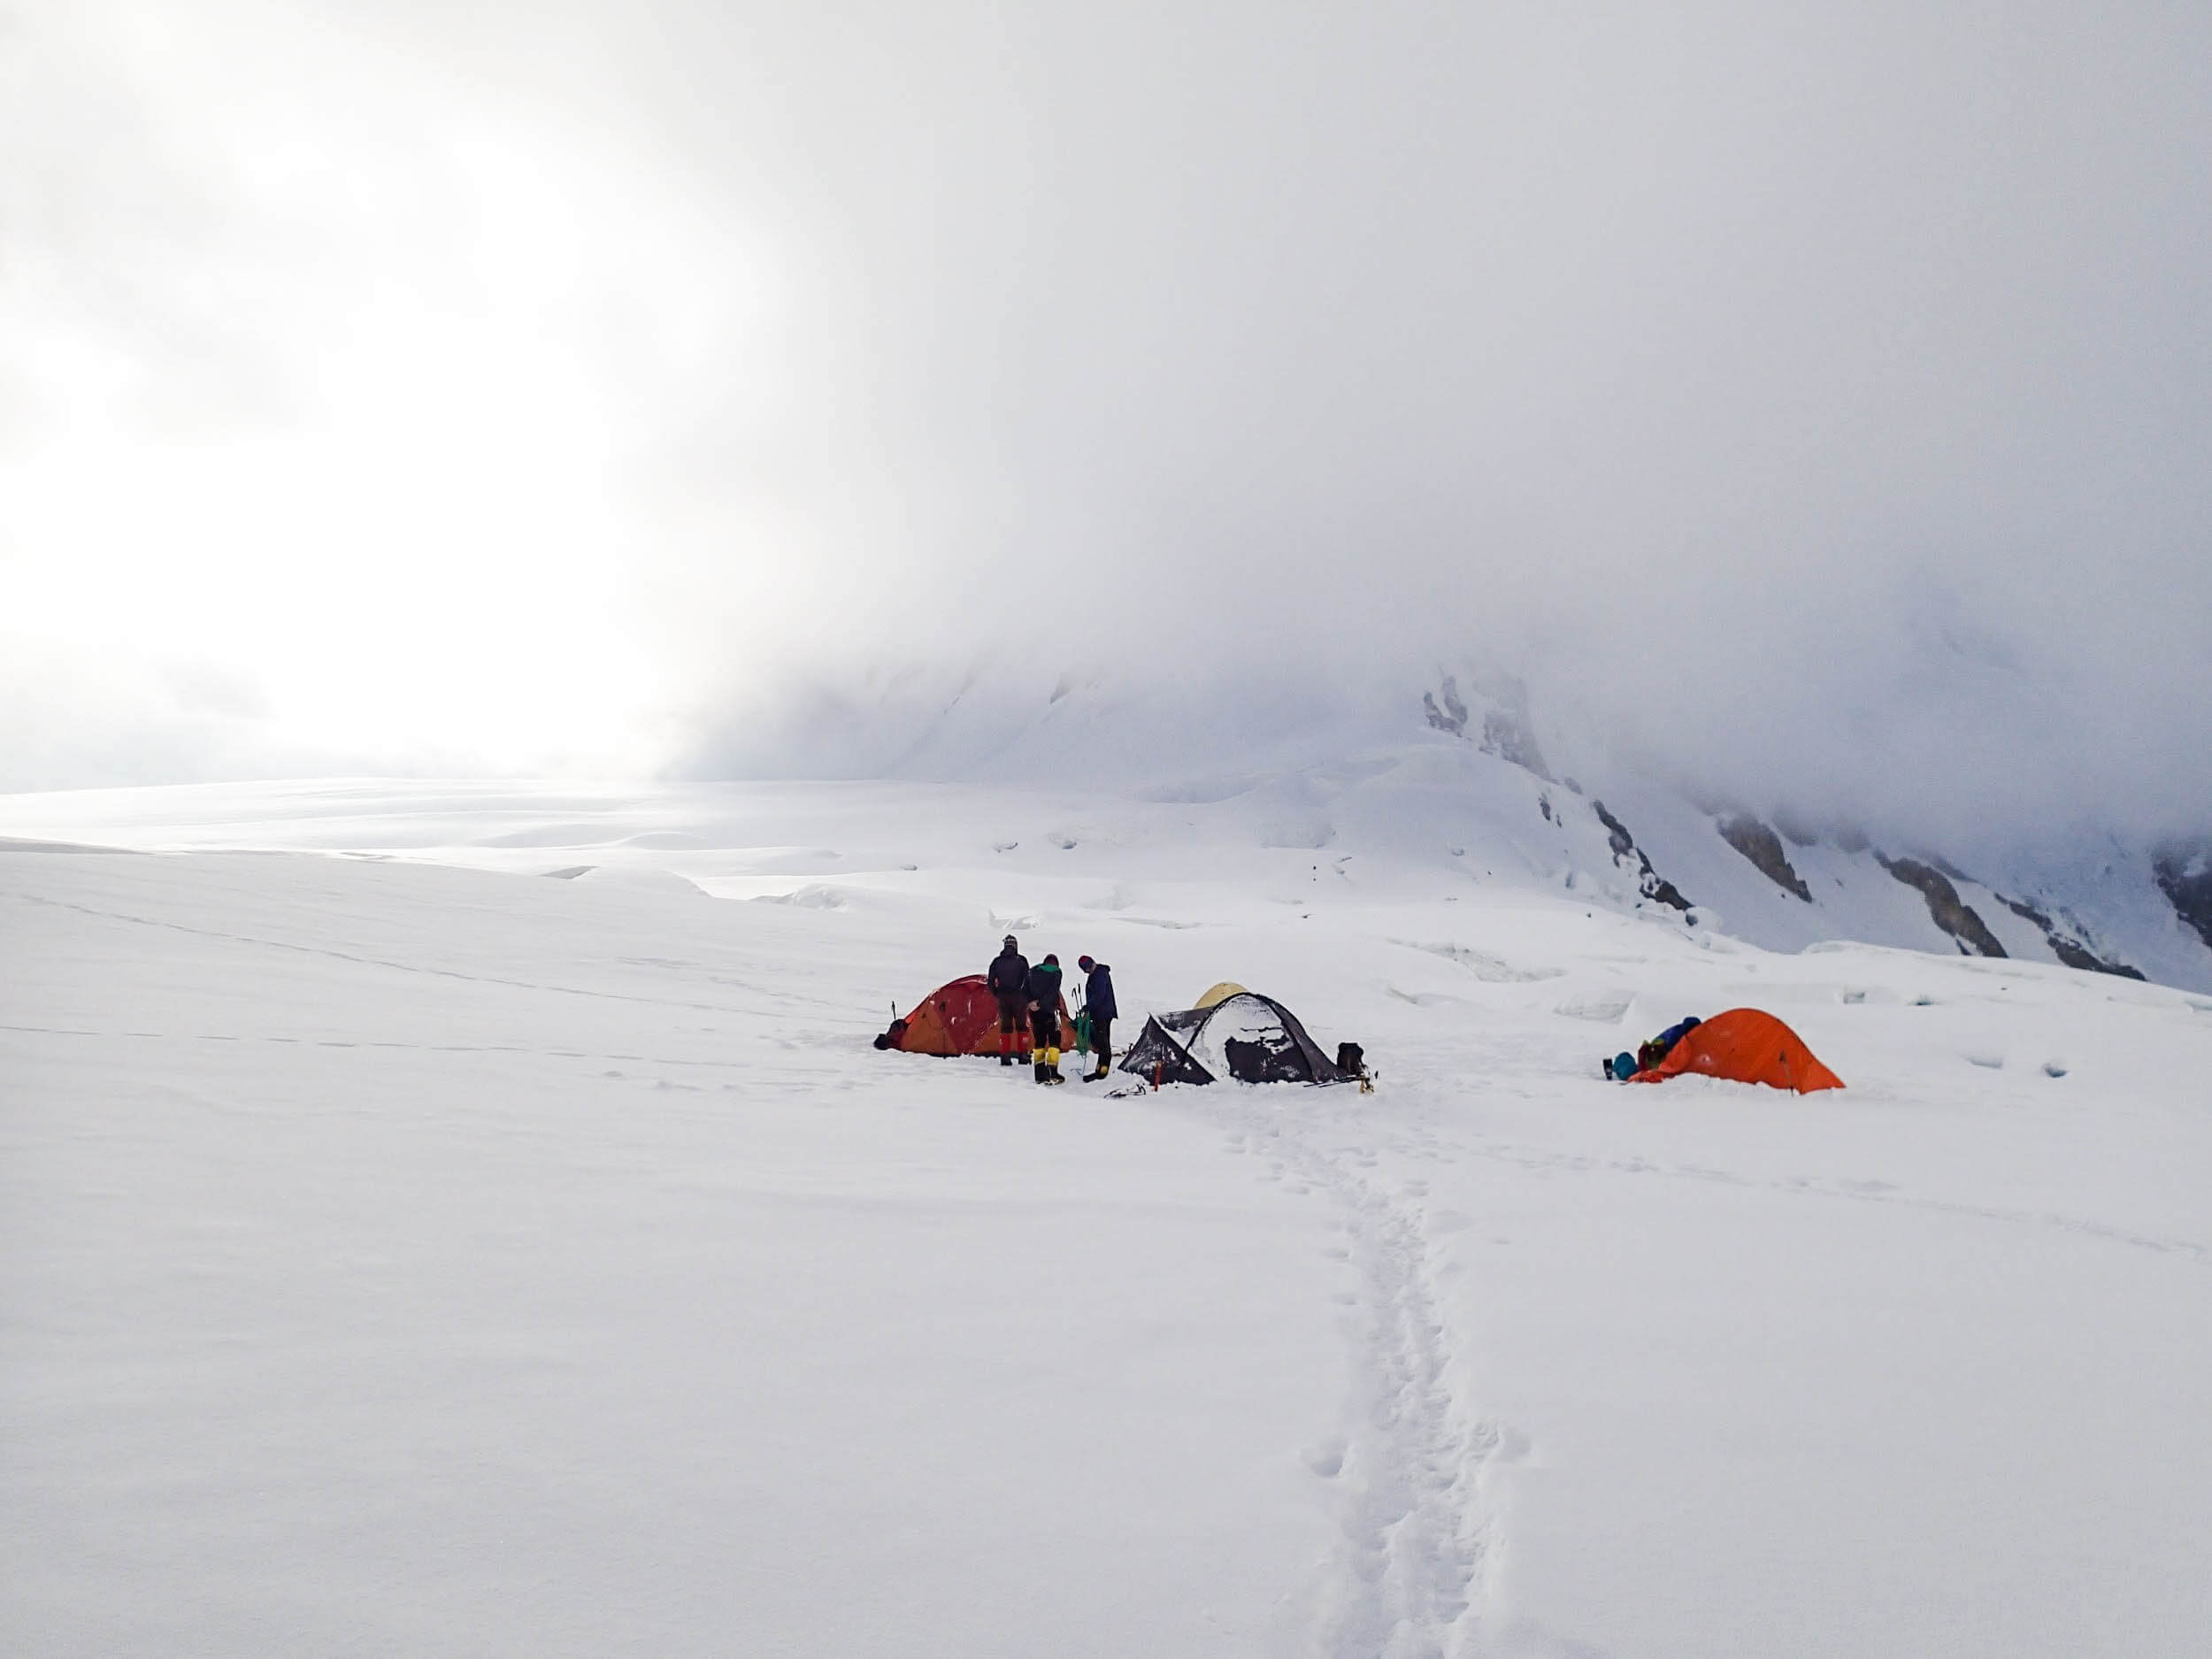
[
  {"x": 813, "y": 896},
  {"x": 636, "y": 879}
]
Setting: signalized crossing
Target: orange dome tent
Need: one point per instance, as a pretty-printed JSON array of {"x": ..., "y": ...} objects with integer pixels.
[
  {"x": 961, "y": 1017},
  {"x": 1750, "y": 1046}
]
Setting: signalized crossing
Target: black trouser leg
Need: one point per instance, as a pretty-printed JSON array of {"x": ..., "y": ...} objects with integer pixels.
[
  {"x": 1045, "y": 1027},
  {"x": 1102, "y": 1043}
]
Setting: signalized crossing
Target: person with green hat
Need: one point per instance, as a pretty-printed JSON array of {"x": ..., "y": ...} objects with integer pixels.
[{"x": 1044, "y": 1018}]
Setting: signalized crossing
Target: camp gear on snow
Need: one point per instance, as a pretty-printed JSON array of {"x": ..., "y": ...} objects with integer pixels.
[
  {"x": 1351, "y": 1059},
  {"x": 1748, "y": 1046},
  {"x": 1214, "y": 994},
  {"x": 1621, "y": 1067},
  {"x": 961, "y": 1017},
  {"x": 1083, "y": 1031},
  {"x": 1245, "y": 1037}
]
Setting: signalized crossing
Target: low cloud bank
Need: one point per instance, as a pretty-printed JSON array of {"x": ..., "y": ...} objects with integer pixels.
[{"x": 1819, "y": 405}]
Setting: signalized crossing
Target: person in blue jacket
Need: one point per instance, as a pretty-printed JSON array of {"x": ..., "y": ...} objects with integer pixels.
[
  {"x": 1098, "y": 1001},
  {"x": 1622, "y": 1067},
  {"x": 1660, "y": 1047}
]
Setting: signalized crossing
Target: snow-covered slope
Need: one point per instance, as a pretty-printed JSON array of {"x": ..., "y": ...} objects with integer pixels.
[
  {"x": 1476, "y": 762},
  {"x": 402, "y": 1249}
]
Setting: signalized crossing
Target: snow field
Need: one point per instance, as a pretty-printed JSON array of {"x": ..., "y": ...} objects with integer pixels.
[{"x": 441, "y": 1259}]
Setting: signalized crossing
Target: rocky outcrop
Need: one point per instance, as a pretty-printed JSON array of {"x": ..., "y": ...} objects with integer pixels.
[
  {"x": 1761, "y": 845},
  {"x": 1506, "y": 730},
  {"x": 2068, "y": 948},
  {"x": 2184, "y": 876},
  {"x": 1649, "y": 882},
  {"x": 1616, "y": 833},
  {"x": 1452, "y": 716},
  {"x": 1948, "y": 911}
]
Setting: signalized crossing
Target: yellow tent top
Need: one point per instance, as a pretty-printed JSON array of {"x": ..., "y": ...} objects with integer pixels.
[{"x": 1220, "y": 993}]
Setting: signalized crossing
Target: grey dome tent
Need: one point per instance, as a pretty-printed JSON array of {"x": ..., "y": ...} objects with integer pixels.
[{"x": 1245, "y": 1037}]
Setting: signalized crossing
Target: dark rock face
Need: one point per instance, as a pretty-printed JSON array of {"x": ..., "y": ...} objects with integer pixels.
[
  {"x": 1650, "y": 883},
  {"x": 1948, "y": 911},
  {"x": 2067, "y": 948},
  {"x": 1452, "y": 716},
  {"x": 1506, "y": 732},
  {"x": 2184, "y": 876},
  {"x": 1761, "y": 845},
  {"x": 1616, "y": 833}
]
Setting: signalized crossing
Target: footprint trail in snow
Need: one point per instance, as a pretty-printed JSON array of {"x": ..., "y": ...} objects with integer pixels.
[{"x": 1413, "y": 1543}]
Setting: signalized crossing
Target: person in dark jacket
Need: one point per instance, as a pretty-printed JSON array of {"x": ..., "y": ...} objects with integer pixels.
[
  {"x": 1659, "y": 1048},
  {"x": 1008, "y": 979},
  {"x": 1098, "y": 1001},
  {"x": 1044, "y": 1018}
]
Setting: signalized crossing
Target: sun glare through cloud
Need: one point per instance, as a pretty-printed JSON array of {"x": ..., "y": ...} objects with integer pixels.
[
  {"x": 626, "y": 390},
  {"x": 361, "y": 425}
]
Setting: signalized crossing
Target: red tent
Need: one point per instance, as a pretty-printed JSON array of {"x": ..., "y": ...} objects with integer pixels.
[
  {"x": 1750, "y": 1046},
  {"x": 961, "y": 1018}
]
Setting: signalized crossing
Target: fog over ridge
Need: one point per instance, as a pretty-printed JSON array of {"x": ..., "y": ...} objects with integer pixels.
[{"x": 1822, "y": 403}]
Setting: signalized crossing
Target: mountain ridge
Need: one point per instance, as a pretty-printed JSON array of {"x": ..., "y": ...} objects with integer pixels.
[{"x": 1600, "y": 816}]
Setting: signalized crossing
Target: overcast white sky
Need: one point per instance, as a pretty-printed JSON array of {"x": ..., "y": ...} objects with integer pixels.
[{"x": 393, "y": 384}]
